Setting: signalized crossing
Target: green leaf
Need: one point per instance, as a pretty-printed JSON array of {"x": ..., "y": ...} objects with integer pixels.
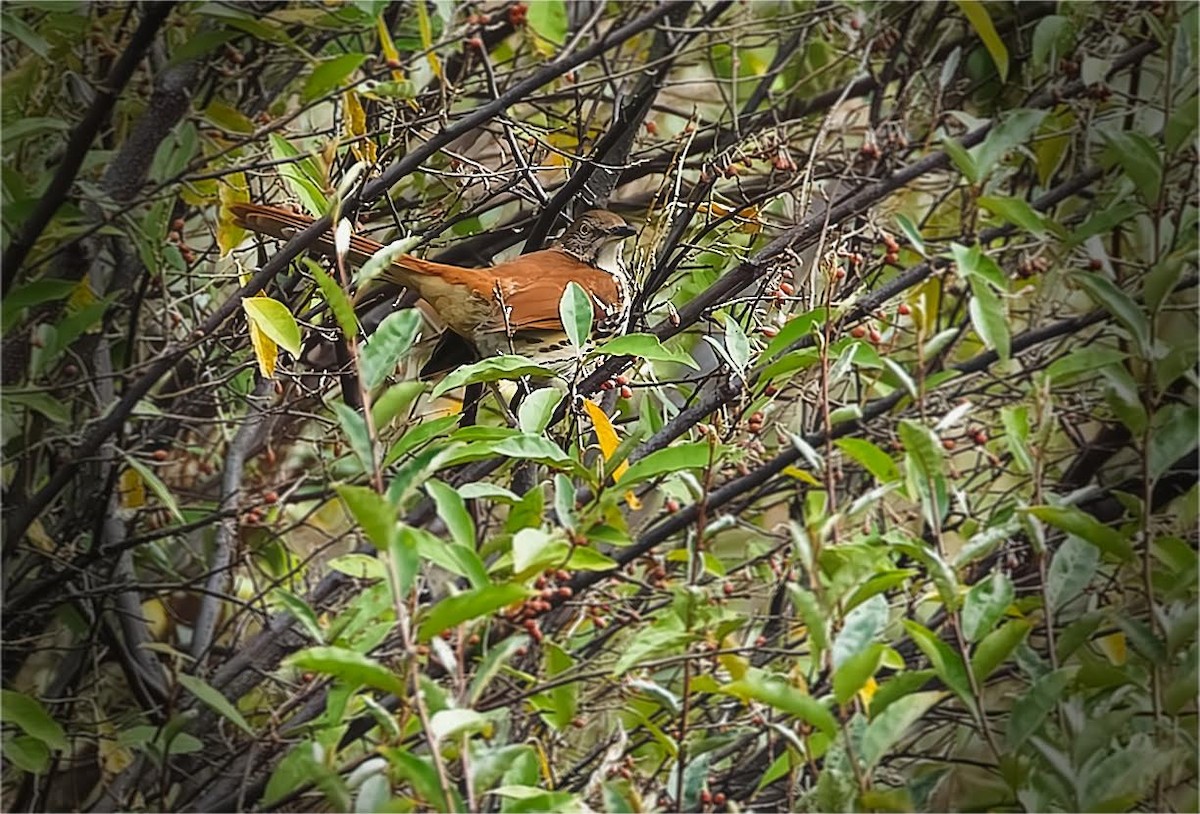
[
  {"x": 387, "y": 346},
  {"x": 737, "y": 344},
  {"x": 887, "y": 728},
  {"x": 975, "y": 266},
  {"x": 532, "y": 447},
  {"x": 1052, "y": 38},
  {"x": 28, "y": 713},
  {"x": 645, "y": 346},
  {"x": 1160, "y": 282},
  {"x": 1173, "y": 437},
  {"x": 339, "y": 303},
  {"x": 859, "y": 629},
  {"x": 549, "y": 19},
  {"x": 565, "y": 697},
  {"x": 997, "y": 646},
  {"x": 420, "y": 773},
  {"x": 1015, "y": 211},
  {"x": 695, "y": 455},
  {"x": 1139, "y": 158},
  {"x": 1182, "y": 124},
  {"x": 30, "y": 294},
  {"x": 588, "y": 559},
  {"x": 330, "y": 73},
  {"x": 351, "y": 667},
  {"x": 1083, "y": 360},
  {"x": 534, "y": 548},
  {"x": 301, "y": 610},
  {"x": 275, "y": 320},
  {"x": 537, "y": 409},
  {"x": 792, "y": 331},
  {"x": 1012, "y": 131},
  {"x": 989, "y": 317},
  {"x": 945, "y": 661},
  {"x": 922, "y": 446},
  {"x": 1016, "y": 434},
  {"x": 21, "y": 31},
  {"x": 777, "y": 692},
  {"x": 288, "y": 160},
  {"x": 453, "y": 511},
  {"x": 371, "y": 511},
  {"x": 43, "y": 403},
  {"x": 985, "y": 604},
  {"x": 854, "y": 672},
  {"x": 455, "y": 610},
  {"x": 24, "y": 752},
  {"x": 354, "y": 426},
  {"x": 1083, "y": 525},
  {"x": 871, "y": 457},
  {"x": 160, "y": 489},
  {"x": 911, "y": 231},
  {"x": 1072, "y": 568},
  {"x": 457, "y": 559},
  {"x": 575, "y": 311},
  {"x": 962, "y": 159},
  {"x": 447, "y": 722},
  {"x": 491, "y": 369},
  {"x": 1031, "y": 709},
  {"x": 1115, "y": 214},
  {"x": 564, "y": 502},
  {"x": 213, "y": 698},
  {"x": 977, "y": 14}
]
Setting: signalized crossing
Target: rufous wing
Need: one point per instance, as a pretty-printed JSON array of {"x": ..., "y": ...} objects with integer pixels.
[
  {"x": 285, "y": 224},
  {"x": 533, "y": 294}
]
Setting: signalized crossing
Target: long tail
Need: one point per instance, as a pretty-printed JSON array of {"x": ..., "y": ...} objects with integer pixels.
[{"x": 284, "y": 224}]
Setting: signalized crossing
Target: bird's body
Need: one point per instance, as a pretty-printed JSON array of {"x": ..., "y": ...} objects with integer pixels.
[{"x": 512, "y": 307}]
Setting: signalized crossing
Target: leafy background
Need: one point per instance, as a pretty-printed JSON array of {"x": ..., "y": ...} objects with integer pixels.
[{"x": 886, "y": 501}]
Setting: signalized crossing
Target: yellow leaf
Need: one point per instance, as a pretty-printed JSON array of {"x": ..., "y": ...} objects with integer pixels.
[
  {"x": 868, "y": 691},
  {"x": 229, "y": 234},
  {"x": 1113, "y": 647},
  {"x": 356, "y": 128},
  {"x": 800, "y": 475},
  {"x": 632, "y": 500},
  {"x": 981, "y": 21},
  {"x": 427, "y": 39},
  {"x": 81, "y": 296},
  {"x": 389, "y": 48},
  {"x": 132, "y": 489},
  {"x": 606, "y": 435},
  {"x": 737, "y": 666},
  {"x": 265, "y": 349}
]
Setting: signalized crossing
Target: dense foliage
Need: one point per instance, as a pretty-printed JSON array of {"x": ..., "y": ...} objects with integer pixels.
[{"x": 886, "y": 501}]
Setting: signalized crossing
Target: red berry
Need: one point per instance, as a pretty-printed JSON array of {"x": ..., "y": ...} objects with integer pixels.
[
  {"x": 271, "y": 496},
  {"x": 1094, "y": 264},
  {"x": 728, "y": 589},
  {"x": 787, "y": 288},
  {"x": 475, "y": 42},
  {"x": 161, "y": 454},
  {"x": 770, "y": 332},
  {"x": 903, "y": 309},
  {"x": 626, "y": 392},
  {"x": 858, "y": 332},
  {"x": 719, "y": 798},
  {"x": 652, "y": 127},
  {"x": 948, "y": 443},
  {"x": 671, "y": 505},
  {"x": 875, "y": 336}
]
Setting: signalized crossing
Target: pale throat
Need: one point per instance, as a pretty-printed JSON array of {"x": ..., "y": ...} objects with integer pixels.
[{"x": 610, "y": 258}]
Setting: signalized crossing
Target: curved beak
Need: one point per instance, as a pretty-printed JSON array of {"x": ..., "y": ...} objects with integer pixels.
[{"x": 623, "y": 231}]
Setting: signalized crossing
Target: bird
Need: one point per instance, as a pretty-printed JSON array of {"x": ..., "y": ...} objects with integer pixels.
[{"x": 509, "y": 308}]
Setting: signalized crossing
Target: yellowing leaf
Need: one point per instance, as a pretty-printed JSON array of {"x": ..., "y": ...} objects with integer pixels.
[
  {"x": 606, "y": 435},
  {"x": 388, "y": 47},
  {"x": 868, "y": 691},
  {"x": 427, "y": 38},
  {"x": 275, "y": 320},
  {"x": 981, "y": 21},
  {"x": 800, "y": 475},
  {"x": 631, "y": 500},
  {"x": 232, "y": 191},
  {"x": 81, "y": 296},
  {"x": 1113, "y": 647},
  {"x": 356, "y": 128},
  {"x": 132, "y": 489},
  {"x": 265, "y": 350}
]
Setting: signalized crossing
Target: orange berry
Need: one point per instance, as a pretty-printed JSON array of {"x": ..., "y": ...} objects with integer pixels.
[
  {"x": 858, "y": 332},
  {"x": 160, "y": 454},
  {"x": 475, "y": 42},
  {"x": 948, "y": 443},
  {"x": 875, "y": 336},
  {"x": 769, "y": 331},
  {"x": 903, "y": 309},
  {"x": 271, "y": 496},
  {"x": 671, "y": 505},
  {"x": 626, "y": 391},
  {"x": 651, "y": 127}
]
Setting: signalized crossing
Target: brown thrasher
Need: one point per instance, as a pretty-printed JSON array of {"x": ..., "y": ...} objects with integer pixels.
[{"x": 512, "y": 307}]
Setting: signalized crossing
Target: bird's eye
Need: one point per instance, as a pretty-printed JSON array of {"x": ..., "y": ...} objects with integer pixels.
[{"x": 585, "y": 227}]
